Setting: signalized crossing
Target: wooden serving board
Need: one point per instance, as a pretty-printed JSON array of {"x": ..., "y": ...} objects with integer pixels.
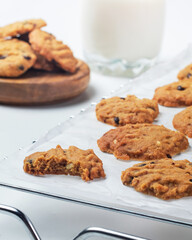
[{"x": 40, "y": 87}]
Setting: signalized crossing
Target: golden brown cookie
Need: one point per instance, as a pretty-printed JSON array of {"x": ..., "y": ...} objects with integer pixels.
[
  {"x": 72, "y": 161},
  {"x": 47, "y": 45},
  {"x": 165, "y": 178},
  {"x": 118, "y": 111},
  {"x": 19, "y": 28},
  {"x": 142, "y": 142},
  {"x": 42, "y": 64},
  {"x": 185, "y": 73},
  {"x": 182, "y": 121},
  {"x": 16, "y": 57},
  {"x": 175, "y": 94}
]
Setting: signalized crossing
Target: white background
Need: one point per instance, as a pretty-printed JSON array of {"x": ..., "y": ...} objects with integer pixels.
[{"x": 19, "y": 126}]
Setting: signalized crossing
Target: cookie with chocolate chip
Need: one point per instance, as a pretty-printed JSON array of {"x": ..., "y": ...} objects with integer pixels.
[
  {"x": 182, "y": 121},
  {"x": 142, "y": 142},
  {"x": 51, "y": 49},
  {"x": 118, "y": 111},
  {"x": 185, "y": 73},
  {"x": 16, "y": 57},
  {"x": 20, "y": 28},
  {"x": 72, "y": 161},
  {"x": 164, "y": 178},
  {"x": 175, "y": 94}
]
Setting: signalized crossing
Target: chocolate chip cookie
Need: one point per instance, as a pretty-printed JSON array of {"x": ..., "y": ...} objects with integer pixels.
[
  {"x": 142, "y": 142},
  {"x": 16, "y": 57},
  {"x": 175, "y": 94},
  {"x": 185, "y": 73},
  {"x": 53, "y": 50},
  {"x": 72, "y": 161},
  {"x": 19, "y": 28},
  {"x": 118, "y": 111},
  {"x": 183, "y": 121},
  {"x": 164, "y": 178}
]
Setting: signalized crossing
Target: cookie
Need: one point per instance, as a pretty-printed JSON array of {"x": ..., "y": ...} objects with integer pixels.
[
  {"x": 118, "y": 111},
  {"x": 42, "y": 64},
  {"x": 185, "y": 73},
  {"x": 182, "y": 121},
  {"x": 19, "y": 28},
  {"x": 164, "y": 178},
  {"x": 16, "y": 57},
  {"x": 72, "y": 161},
  {"x": 46, "y": 45},
  {"x": 142, "y": 142},
  {"x": 175, "y": 94}
]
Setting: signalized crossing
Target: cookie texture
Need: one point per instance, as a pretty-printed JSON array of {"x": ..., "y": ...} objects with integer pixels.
[
  {"x": 53, "y": 50},
  {"x": 72, "y": 161},
  {"x": 42, "y": 64},
  {"x": 19, "y": 28},
  {"x": 16, "y": 57},
  {"x": 185, "y": 73},
  {"x": 182, "y": 121},
  {"x": 175, "y": 94},
  {"x": 164, "y": 178},
  {"x": 119, "y": 111},
  {"x": 142, "y": 142}
]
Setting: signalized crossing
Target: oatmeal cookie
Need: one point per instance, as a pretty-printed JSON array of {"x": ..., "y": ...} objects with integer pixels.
[
  {"x": 16, "y": 57},
  {"x": 72, "y": 161},
  {"x": 142, "y": 142},
  {"x": 19, "y": 28},
  {"x": 182, "y": 121},
  {"x": 53, "y": 50},
  {"x": 164, "y": 178},
  {"x": 118, "y": 111},
  {"x": 175, "y": 94},
  {"x": 185, "y": 73}
]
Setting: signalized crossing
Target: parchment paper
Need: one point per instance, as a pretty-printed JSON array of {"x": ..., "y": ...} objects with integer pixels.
[{"x": 83, "y": 131}]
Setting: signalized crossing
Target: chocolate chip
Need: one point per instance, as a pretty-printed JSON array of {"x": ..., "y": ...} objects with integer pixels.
[
  {"x": 122, "y": 98},
  {"x": 30, "y": 161},
  {"x": 2, "y": 56},
  {"x": 152, "y": 162},
  {"x": 21, "y": 67},
  {"x": 190, "y": 180},
  {"x": 169, "y": 156},
  {"x": 116, "y": 119},
  {"x": 142, "y": 165},
  {"x": 27, "y": 57},
  {"x": 189, "y": 75},
  {"x": 131, "y": 179},
  {"x": 180, "y": 88}
]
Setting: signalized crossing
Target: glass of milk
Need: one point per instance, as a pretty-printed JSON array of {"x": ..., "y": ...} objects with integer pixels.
[{"x": 122, "y": 37}]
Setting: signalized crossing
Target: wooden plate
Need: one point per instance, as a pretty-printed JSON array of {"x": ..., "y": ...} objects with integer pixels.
[{"x": 40, "y": 87}]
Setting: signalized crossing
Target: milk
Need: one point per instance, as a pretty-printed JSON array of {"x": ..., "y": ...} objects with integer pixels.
[{"x": 124, "y": 31}]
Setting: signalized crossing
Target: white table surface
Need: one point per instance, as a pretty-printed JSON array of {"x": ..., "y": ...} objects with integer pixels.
[{"x": 19, "y": 126}]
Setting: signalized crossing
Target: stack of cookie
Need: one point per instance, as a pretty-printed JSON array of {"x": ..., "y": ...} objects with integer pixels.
[{"x": 23, "y": 45}]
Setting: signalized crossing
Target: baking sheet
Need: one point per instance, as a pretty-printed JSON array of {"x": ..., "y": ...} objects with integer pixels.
[{"x": 83, "y": 130}]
